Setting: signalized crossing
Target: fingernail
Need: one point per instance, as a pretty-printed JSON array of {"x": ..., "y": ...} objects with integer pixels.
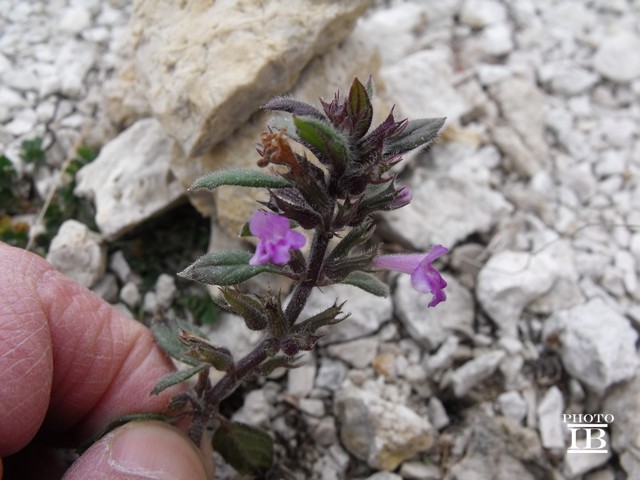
[{"x": 154, "y": 450}]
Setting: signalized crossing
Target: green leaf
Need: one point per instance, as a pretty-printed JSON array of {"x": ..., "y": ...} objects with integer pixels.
[
  {"x": 367, "y": 282},
  {"x": 225, "y": 268},
  {"x": 279, "y": 361},
  {"x": 8, "y": 177},
  {"x": 417, "y": 133},
  {"x": 177, "y": 377},
  {"x": 356, "y": 236},
  {"x": 378, "y": 197},
  {"x": 247, "y": 449},
  {"x": 325, "y": 141},
  {"x": 340, "y": 268},
  {"x": 204, "y": 351},
  {"x": 239, "y": 177},
  {"x": 328, "y": 316},
  {"x": 359, "y": 109},
  {"x": 166, "y": 335},
  {"x": 32, "y": 152},
  {"x": 248, "y": 306}
]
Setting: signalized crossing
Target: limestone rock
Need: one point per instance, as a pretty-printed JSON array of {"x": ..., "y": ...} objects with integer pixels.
[
  {"x": 380, "y": 432},
  {"x": 521, "y": 159},
  {"x": 432, "y": 326},
  {"x": 475, "y": 371},
  {"x": 420, "y": 471},
  {"x": 255, "y": 411},
  {"x": 521, "y": 104},
  {"x": 367, "y": 311},
  {"x": 165, "y": 290},
  {"x": 596, "y": 343},
  {"x": 107, "y": 288},
  {"x": 500, "y": 449},
  {"x": 321, "y": 78},
  {"x": 576, "y": 465},
  {"x": 623, "y": 402},
  {"x": 230, "y": 331},
  {"x": 480, "y": 13},
  {"x": 512, "y": 280},
  {"x": 384, "y": 476},
  {"x": 206, "y": 66},
  {"x": 300, "y": 380},
  {"x": 422, "y": 86},
  {"x": 130, "y": 180},
  {"x": 550, "y": 424},
  {"x": 358, "y": 353},
  {"x": 331, "y": 374},
  {"x": 567, "y": 78},
  {"x": 617, "y": 57},
  {"x": 78, "y": 253},
  {"x": 393, "y": 30},
  {"x": 443, "y": 211},
  {"x": 512, "y": 405}
]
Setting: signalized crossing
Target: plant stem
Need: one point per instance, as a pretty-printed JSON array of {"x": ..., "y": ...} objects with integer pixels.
[
  {"x": 314, "y": 268},
  {"x": 246, "y": 365},
  {"x": 225, "y": 387}
]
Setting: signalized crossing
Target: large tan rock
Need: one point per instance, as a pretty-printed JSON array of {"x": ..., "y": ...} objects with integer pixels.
[
  {"x": 207, "y": 65},
  {"x": 130, "y": 180},
  {"x": 325, "y": 75}
]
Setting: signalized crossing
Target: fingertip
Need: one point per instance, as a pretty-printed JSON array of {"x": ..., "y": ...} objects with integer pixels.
[{"x": 146, "y": 449}]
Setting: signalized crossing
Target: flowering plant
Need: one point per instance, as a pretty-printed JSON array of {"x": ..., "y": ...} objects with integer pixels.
[{"x": 333, "y": 197}]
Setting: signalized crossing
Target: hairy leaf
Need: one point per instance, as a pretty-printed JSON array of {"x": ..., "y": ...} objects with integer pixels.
[
  {"x": 356, "y": 236},
  {"x": 359, "y": 109},
  {"x": 280, "y": 361},
  {"x": 239, "y": 177},
  {"x": 329, "y": 316},
  {"x": 367, "y": 282},
  {"x": 324, "y": 140},
  {"x": 417, "y": 133},
  {"x": 226, "y": 268},
  {"x": 204, "y": 351},
  {"x": 339, "y": 268},
  {"x": 166, "y": 336},
  {"x": 248, "y": 306},
  {"x": 177, "y": 377},
  {"x": 247, "y": 449},
  {"x": 296, "y": 107},
  {"x": 295, "y": 207}
]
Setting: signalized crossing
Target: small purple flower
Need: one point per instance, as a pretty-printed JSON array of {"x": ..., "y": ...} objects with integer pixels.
[
  {"x": 424, "y": 277},
  {"x": 275, "y": 238},
  {"x": 403, "y": 198}
]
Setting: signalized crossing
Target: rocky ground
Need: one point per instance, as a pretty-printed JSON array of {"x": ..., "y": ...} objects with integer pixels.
[{"x": 534, "y": 187}]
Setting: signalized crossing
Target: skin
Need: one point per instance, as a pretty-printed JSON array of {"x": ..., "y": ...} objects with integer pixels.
[{"x": 69, "y": 364}]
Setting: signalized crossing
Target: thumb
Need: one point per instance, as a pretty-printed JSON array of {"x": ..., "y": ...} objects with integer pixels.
[{"x": 143, "y": 449}]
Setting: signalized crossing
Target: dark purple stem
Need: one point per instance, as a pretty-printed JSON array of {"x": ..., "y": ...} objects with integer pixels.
[{"x": 246, "y": 365}]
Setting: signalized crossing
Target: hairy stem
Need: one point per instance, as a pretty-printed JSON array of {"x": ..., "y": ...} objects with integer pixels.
[
  {"x": 314, "y": 268},
  {"x": 247, "y": 365},
  {"x": 225, "y": 387}
]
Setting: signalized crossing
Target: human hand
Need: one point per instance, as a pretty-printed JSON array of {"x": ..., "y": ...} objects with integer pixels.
[{"x": 69, "y": 364}]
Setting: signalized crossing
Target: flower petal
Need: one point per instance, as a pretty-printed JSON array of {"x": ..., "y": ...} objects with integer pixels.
[
  {"x": 275, "y": 238},
  {"x": 260, "y": 224},
  {"x": 405, "y": 263},
  {"x": 435, "y": 252},
  {"x": 426, "y": 279}
]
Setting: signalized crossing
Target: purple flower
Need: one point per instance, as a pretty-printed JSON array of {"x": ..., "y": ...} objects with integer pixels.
[
  {"x": 275, "y": 238},
  {"x": 403, "y": 198},
  {"x": 424, "y": 277}
]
